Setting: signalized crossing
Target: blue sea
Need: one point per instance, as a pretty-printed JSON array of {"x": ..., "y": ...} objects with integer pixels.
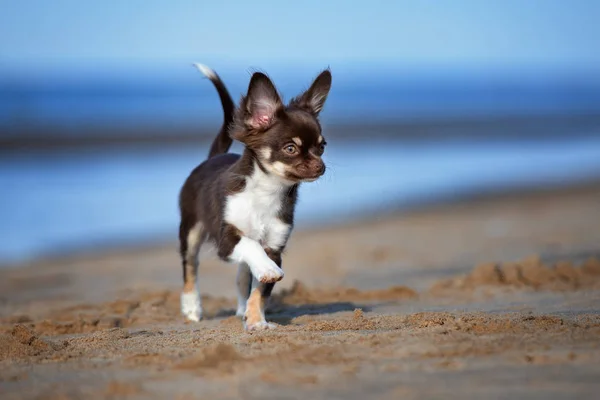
[
  {"x": 58, "y": 202},
  {"x": 54, "y": 202}
]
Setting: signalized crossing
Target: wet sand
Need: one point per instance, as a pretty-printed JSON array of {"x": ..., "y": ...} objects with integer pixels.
[{"x": 494, "y": 298}]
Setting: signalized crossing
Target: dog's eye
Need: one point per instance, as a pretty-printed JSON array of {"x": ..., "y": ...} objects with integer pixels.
[
  {"x": 321, "y": 148},
  {"x": 290, "y": 149}
]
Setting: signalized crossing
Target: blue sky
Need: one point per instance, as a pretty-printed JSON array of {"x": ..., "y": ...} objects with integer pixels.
[{"x": 514, "y": 34}]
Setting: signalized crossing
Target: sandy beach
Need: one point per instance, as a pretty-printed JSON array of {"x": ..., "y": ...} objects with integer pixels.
[
  {"x": 490, "y": 298},
  {"x": 447, "y": 228}
]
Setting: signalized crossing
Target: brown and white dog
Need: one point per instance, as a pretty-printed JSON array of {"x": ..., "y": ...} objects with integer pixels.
[{"x": 244, "y": 204}]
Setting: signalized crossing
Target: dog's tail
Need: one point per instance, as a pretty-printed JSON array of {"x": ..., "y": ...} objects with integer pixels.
[{"x": 223, "y": 141}]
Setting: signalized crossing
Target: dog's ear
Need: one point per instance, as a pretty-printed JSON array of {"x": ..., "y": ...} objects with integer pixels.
[
  {"x": 314, "y": 98},
  {"x": 261, "y": 103}
]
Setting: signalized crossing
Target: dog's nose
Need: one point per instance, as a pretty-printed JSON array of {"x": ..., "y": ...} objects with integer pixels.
[
  {"x": 322, "y": 168},
  {"x": 319, "y": 168}
]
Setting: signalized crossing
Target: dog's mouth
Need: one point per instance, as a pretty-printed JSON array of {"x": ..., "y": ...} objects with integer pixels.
[
  {"x": 305, "y": 178},
  {"x": 311, "y": 179}
]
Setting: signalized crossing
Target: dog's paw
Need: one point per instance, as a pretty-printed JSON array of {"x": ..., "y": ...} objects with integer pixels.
[
  {"x": 270, "y": 274},
  {"x": 191, "y": 306},
  {"x": 259, "y": 326}
]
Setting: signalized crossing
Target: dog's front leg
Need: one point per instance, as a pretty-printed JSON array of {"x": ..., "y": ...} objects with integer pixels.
[
  {"x": 254, "y": 316},
  {"x": 236, "y": 247}
]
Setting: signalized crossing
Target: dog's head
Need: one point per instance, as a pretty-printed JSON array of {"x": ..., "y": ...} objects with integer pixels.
[{"x": 286, "y": 139}]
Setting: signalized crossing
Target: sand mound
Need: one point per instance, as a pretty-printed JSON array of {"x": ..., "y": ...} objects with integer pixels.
[
  {"x": 22, "y": 342},
  {"x": 530, "y": 273},
  {"x": 356, "y": 323},
  {"x": 485, "y": 324},
  {"x": 138, "y": 310},
  {"x": 472, "y": 323},
  {"x": 299, "y": 294}
]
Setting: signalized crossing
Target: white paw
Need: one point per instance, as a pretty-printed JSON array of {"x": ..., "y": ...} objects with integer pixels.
[
  {"x": 270, "y": 273},
  {"x": 259, "y": 326},
  {"x": 191, "y": 306}
]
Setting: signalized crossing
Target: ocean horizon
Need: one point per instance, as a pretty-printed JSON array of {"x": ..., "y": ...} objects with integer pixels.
[{"x": 179, "y": 98}]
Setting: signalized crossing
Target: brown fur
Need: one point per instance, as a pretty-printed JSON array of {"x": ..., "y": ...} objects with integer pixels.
[
  {"x": 255, "y": 307},
  {"x": 267, "y": 128}
]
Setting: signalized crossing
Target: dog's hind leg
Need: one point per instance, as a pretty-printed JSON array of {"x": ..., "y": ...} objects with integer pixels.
[
  {"x": 244, "y": 284},
  {"x": 190, "y": 240}
]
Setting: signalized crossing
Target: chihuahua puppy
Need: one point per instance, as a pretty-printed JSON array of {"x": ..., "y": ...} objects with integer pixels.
[{"x": 244, "y": 204}]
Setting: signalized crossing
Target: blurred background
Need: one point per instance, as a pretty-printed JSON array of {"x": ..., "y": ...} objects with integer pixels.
[{"x": 102, "y": 115}]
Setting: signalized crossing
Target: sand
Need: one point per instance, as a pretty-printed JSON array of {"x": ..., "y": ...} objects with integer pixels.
[{"x": 495, "y": 298}]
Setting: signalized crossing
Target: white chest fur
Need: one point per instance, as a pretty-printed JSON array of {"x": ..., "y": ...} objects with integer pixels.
[{"x": 255, "y": 210}]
